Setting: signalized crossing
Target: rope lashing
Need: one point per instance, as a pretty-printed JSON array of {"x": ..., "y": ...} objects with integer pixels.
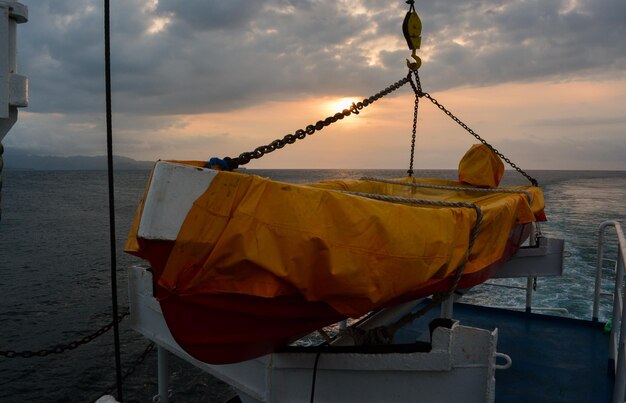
[
  {"x": 437, "y": 203},
  {"x": 452, "y": 188},
  {"x": 386, "y": 333}
]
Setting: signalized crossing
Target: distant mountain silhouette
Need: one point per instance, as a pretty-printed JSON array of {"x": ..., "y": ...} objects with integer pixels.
[{"x": 17, "y": 159}]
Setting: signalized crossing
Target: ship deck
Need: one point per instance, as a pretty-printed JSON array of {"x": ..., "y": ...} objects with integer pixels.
[{"x": 555, "y": 359}]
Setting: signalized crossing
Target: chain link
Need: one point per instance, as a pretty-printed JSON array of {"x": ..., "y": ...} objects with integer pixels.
[
  {"x": 473, "y": 133},
  {"x": 61, "y": 348},
  {"x": 417, "y": 89},
  {"x": 138, "y": 361},
  {"x": 300, "y": 134}
]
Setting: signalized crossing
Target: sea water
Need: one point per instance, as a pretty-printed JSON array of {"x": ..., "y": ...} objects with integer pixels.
[{"x": 55, "y": 268}]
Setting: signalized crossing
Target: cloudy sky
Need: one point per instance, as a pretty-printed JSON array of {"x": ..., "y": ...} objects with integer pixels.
[{"x": 543, "y": 80}]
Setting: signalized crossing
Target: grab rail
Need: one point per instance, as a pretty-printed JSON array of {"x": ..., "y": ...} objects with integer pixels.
[{"x": 617, "y": 348}]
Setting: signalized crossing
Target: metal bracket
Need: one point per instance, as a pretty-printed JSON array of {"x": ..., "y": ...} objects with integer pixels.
[
  {"x": 545, "y": 259},
  {"x": 13, "y": 87}
]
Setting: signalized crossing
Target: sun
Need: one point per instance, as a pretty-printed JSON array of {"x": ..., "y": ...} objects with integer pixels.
[{"x": 340, "y": 104}]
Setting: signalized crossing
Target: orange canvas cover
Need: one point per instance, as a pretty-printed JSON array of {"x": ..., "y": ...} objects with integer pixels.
[
  {"x": 481, "y": 167},
  {"x": 248, "y": 235}
]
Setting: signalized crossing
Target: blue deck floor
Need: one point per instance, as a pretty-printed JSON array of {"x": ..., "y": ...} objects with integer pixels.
[{"x": 554, "y": 359}]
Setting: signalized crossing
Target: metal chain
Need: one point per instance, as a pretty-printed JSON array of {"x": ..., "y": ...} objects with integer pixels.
[
  {"x": 473, "y": 133},
  {"x": 417, "y": 89},
  {"x": 300, "y": 134},
  {"x": 138, "y": 361},
  {"x": 60, "y": 348}
]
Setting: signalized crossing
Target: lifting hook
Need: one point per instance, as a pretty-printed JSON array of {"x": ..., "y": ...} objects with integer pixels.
[{"x": 412, "y": 30}]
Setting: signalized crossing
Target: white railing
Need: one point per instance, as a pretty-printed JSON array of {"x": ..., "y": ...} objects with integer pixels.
[{"x": 617, "y": 343}]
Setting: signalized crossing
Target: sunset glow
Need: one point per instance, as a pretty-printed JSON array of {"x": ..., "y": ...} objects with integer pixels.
[
  {"x": 192, "y": 80},
  {"x": 339, "y": 105}
]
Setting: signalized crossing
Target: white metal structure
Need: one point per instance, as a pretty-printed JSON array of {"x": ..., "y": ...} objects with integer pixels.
[
  {"x": 617, "y": 348},
  {"x": 460, "y": 367},
  {"x": 173, "y": 189},
  {"x": 13, "y": 86},
  {"x": 544, "y": 259}
]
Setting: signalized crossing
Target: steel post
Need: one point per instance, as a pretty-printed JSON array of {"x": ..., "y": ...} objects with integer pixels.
[{"x": 164, "y": 375}]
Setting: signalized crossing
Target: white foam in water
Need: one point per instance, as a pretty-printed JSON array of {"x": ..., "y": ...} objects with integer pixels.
[{"x": 107, "y": 399}]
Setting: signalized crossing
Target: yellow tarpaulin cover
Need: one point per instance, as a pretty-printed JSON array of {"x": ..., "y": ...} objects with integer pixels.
[
  {"x": 250, "y": 235},
  {"x": 480, "y": 166}
]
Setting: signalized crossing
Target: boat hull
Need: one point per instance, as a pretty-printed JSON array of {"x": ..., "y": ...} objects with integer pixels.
[{"x": 224, "y": 329}]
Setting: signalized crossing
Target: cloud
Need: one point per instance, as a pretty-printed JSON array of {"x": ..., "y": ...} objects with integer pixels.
[
  {"x": 215, "y": 55},
  {"x": 497, "y": 42},
  {"x": 579, "y": 121},
  {"x": 209, "y": 15},
  {"x": 58, "y": 134},
  {"x": 172, "y": 58}
]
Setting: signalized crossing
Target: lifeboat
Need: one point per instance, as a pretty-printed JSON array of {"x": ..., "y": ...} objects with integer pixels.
[{"x": 243, "y": 265}]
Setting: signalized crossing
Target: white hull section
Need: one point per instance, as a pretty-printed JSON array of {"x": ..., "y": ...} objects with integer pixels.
[{"x": 172, "y": 191}]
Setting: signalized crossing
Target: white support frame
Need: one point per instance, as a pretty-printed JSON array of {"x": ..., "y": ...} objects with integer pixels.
[
  {"x": 13, "y": 87},
  {"x": 460, "y": 366},
  {"x": 617, "y": 341}
]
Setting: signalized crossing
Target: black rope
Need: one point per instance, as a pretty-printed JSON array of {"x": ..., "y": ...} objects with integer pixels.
[
  {"x": 1, "y": 166},
  {"x": 317, "y": 359},
  {"x": 107, "y": 73}
]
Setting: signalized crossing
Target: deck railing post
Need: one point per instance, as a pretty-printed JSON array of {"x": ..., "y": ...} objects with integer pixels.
[
  {"x": 619, "y": 388},
  {"x": 532, "y": 241},
  {"x": 596, "y": 296},
  {"x": 617, "y": 343},
  {"x": 163, "y": 375},
  {"x": 529, "y": 294},
  {"x": 447, "y": 307},
  {"x": 618, "y": 297}
]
